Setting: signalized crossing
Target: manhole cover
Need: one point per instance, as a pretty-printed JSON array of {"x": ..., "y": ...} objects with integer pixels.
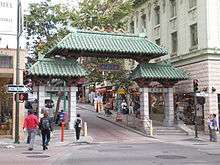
[
  {"x": 32, "y": 153},
  {"x": 170, "y": 157},
  {"x": 213, "y": 154},
  {"x": 38, "y": 156}
]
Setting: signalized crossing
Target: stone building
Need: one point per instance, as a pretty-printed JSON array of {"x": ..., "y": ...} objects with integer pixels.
[{"x": 189, "y": 29}]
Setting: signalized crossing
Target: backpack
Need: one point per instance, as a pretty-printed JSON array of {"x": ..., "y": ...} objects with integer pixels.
[
  {"x": 45, "y": 124},
  {"x": 78, "y": 121}
]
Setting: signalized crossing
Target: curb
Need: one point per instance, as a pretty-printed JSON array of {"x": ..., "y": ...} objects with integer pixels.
[{"x": 125, "y": 127}]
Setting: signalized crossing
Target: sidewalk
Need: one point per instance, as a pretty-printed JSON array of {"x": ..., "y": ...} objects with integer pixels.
[
  {"x": 69, "y": 138},
  {"x": 202, "y": 138}
]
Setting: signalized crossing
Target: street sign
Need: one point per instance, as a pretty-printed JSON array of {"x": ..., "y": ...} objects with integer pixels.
[
  {"x": 109, "y": 67},
  {"x": 202, "y": 94},
  {"x": 11, "y": 88}
]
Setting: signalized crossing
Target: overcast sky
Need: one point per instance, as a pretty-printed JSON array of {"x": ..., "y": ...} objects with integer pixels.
[{"x": 72, "y": 2}]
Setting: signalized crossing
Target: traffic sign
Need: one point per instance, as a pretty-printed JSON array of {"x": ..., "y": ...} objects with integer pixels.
[{"x": 11, "y": 88}]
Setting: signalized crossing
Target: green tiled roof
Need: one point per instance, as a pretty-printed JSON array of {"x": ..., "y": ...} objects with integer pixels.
[
  {"x": 153, "y": 71},
  {"x": 119, "y": 44},
  {"x": 57, "y": 68}
]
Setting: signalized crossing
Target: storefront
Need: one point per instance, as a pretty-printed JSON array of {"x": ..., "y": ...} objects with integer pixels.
[{"x": 6, "y": 108}]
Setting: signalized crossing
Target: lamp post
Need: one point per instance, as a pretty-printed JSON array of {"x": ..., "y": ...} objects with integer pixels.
[{"x": 17, "y": 75}]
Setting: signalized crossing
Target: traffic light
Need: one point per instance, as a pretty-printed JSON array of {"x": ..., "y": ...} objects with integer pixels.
[
  {"x": 195, "y": 85},
  {"x": 23, "y": 97}
]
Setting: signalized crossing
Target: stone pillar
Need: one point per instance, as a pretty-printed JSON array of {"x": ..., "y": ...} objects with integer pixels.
[
  {"x": 72, "y": 106},
  {"x": 168, "y": 108},
  {"x": 144, "y": 109},
  {"x": 41, "y": 104}
]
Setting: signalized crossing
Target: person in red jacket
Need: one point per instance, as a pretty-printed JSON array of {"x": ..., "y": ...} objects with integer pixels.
[{"x": 31, "y": 124}]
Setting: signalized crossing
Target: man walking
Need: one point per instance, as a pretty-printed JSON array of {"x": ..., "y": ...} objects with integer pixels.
[
  {"x": 45, "y": 127},
  {"x": 78, "y": 125},
  {"x": 31, "y": 124}
]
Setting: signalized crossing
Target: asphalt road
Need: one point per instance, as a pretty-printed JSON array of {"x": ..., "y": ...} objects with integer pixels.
[
  {"x": 113, "y": 145},
  {"x": 138, "y": 154},
  {"x": 104, "y": 132}
]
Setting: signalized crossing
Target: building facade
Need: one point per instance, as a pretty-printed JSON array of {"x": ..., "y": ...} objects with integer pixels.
[
  {"x": 8, "y": 45},
  {"x": 189, "y": 29}
]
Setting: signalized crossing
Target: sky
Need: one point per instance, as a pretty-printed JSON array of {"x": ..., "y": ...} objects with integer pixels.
[{"x": 72, "y": 2}]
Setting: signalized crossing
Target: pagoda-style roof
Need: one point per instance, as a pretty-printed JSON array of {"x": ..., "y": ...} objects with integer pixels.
[
  {"x": 57, "y": 68},
  {"x": 154, "y": 72},
  {"x": 104, "y": 44}
]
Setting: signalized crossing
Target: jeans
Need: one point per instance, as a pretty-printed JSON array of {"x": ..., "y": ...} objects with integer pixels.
[
  {"x": 45, "y": 137},
  {"x": 32, "y": 132}
]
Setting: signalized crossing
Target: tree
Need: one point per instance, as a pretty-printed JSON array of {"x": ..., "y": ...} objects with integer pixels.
[{"x": 48, "y": 23}]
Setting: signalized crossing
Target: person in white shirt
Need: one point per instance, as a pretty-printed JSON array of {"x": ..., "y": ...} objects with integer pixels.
[{"x": 124, "y": 107}]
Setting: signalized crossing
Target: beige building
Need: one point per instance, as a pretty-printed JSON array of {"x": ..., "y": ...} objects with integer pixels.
[
  {"x": 189, "y": 29},
  {"x": 7, "y": 103}
]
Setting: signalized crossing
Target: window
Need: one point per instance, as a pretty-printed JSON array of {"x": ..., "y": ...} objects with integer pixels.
[
  {"x": 193, "y": 34},
  {"x": 132, "y": 27},
  {"x": 172, "y": 8},
  {"x": 192, "y": 3},
  {"x": 143, "y": 22},
  {"x": 174, "y": 42},
  {"x": 6, "y": 62},
  {"x": 157, "y": 15},
  {"x": 157, "y": 41}
]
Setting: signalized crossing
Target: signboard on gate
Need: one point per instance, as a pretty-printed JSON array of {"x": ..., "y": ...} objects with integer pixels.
[{"x": 109, "y": 67}]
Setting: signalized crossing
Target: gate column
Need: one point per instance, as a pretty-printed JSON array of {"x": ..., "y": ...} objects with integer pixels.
[
  {"x": 72, "y": 106},
  {"x": 41, "y": 95},
  {"x": 168, "y": 108},
  {"x": 144, "y": 103}
]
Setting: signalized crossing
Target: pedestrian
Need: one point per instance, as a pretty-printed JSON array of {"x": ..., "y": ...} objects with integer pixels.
[
  {"x": 77, "y": 126},
  {"x": 96, "y": 103},
  {"x": 124, "y": 107},
  {"x": 213, "y": 128},
  {"x": 45, "y": 127},
  {"x": 31, "y": 124}
]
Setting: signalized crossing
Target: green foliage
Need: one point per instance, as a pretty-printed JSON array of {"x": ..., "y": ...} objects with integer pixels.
[
  {"x": 48, "y": 23},
  {"x": 103, "y": 13}
]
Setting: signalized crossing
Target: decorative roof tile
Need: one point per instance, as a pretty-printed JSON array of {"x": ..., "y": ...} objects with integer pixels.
[
  {"x": 103, "y": 42},
  {"x": 154, "y": 71},
  {"x": 57, "y": 68}
]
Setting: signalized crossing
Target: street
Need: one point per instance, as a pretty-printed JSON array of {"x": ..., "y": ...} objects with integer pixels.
[{"x": 114, "y": 145}]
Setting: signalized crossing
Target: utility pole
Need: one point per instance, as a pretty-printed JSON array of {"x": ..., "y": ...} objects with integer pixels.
[{"x": 17, "y": 75}]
